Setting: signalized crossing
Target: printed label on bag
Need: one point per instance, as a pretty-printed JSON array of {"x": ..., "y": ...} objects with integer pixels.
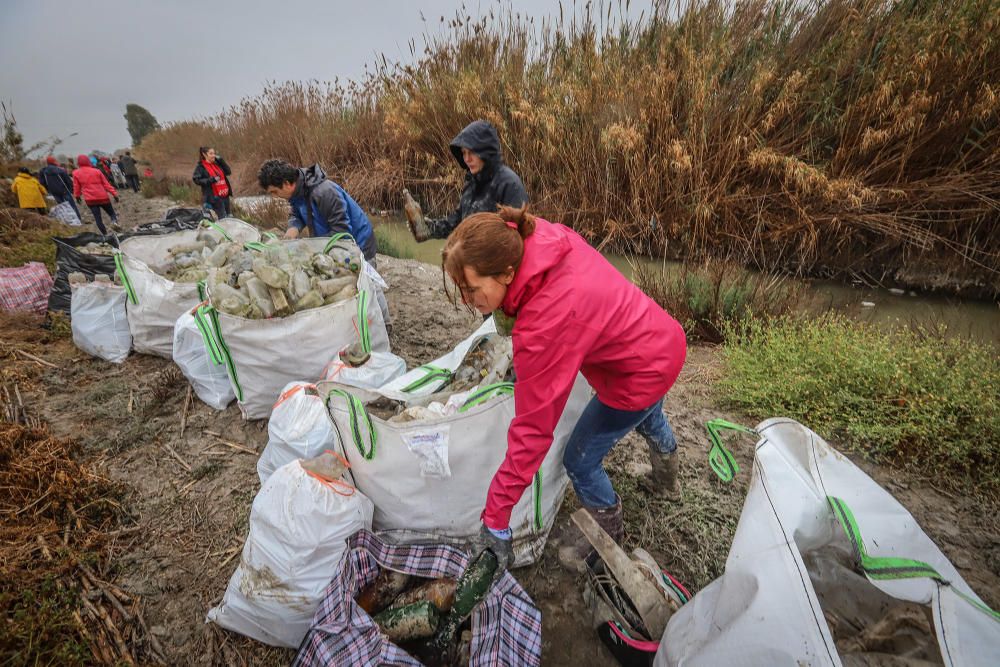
[{"x": 430, "y": 445}]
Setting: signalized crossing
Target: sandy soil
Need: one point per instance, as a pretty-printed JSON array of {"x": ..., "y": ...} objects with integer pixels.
[{"x": 192, "y": 491}]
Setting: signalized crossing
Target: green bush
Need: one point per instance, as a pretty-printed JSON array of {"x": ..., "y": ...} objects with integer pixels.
[{"x": 907, "y": 396}]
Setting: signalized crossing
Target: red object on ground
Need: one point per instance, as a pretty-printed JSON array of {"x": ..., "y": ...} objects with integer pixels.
[{"x": 25, "y": 288}]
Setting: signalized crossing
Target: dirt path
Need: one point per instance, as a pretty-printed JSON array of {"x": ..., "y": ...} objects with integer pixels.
[{"x": 192, "y": 493}]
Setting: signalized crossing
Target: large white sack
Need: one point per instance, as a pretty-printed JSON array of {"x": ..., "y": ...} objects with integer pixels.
[
  {"x": 267, "y": 354},
  {"x": 380, "y": 369},
  {"x": 298, "y": 528},
  {"x": 98, "y": 320},
  {"x": 155, "y": 303},
  {"x": 791, "y": 552},
  {"x": 208, "y": 377},
  {"x": 429, "y": 478},
  {"x": 299, "y": 428}
]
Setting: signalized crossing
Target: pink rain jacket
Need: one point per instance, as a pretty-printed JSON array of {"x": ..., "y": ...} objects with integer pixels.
[
  {"x": 575, "y": 313},
  {"x": 91, "y": 183}
]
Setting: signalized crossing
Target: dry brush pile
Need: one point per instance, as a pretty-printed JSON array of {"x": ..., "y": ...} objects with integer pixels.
[{"x": 842, "y": 135}]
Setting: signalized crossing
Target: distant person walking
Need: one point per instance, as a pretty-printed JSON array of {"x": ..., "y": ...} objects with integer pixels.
[
  {"x": 58, "y": 182},
  {"x": 30, "y": 193},
  {"x": 90, "y": 184},
  {"x": 130, "y": 169},
  {"x": 116, "y": 172},
  {"x": 212, "y": 174}
]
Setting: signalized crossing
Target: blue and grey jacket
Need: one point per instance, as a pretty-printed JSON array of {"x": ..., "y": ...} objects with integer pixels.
[
  {"x": 495, "y": 184},
  {"x": 326, "y": 209}
]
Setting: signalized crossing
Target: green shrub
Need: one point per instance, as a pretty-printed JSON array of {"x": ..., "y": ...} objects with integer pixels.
[
  {"x": 706, "y": 297},
  {"x": 184, "y": 194},
  {"x": 907, "y": 396},
  {"x": 387, "y": 244}
]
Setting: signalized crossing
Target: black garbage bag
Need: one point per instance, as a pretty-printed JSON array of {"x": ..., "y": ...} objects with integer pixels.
[{"x": 70, "y": 259}]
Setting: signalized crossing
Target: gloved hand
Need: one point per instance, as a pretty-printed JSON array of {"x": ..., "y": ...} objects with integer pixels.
[
  {"x": 500, "y": 542},
  {"x": 79, "y": 201},
  {"x": 117, "y": 199}
]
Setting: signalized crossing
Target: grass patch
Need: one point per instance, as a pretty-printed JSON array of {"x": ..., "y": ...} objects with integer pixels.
[
  {"x": 27, "y": 237},
  {"x": 709, "y": 297},
  {"x": 271, "y": 214},
  {"x": 906, "y": 396},
  {"x": 387, "y": 244}
]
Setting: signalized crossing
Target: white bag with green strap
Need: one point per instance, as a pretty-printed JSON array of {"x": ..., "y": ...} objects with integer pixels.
[
  {"x": 827, "y": 568},
  {"x": 154, "y": 302},
  {"x": 264, "y": 355},
  {"x": 428, "y": 479}
]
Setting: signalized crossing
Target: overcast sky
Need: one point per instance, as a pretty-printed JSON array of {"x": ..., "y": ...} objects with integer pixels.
[{"x": 72, "y": 65}]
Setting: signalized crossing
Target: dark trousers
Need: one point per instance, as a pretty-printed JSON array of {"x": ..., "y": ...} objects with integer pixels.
[
  {"x": 39, "y": 211},
  {"x": 72, "y": 202},
  {"x": 96, "y": 210},
  {"x": 220, "y": 205},
  {"x": 133, "y": 181}
]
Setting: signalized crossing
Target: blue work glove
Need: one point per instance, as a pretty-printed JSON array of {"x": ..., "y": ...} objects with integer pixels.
[{"x": 500, "y": 542}]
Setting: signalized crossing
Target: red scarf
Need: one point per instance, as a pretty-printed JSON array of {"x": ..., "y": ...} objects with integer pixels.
[{"x": 219, "y": 187}]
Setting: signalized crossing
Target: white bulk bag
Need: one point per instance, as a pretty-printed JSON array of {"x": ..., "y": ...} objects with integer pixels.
[
  {"x": 154, "y": 302},
  {"x": 98, "y": 320},
  {"x": 813, "y": 527},
  {"x": 265, "y": 355},
  {"x": 429, "y": 478},
  {"x": 299, "y": 428},
  {"x": 298, "y": 527},
  {"x": 209, "y": 377}
]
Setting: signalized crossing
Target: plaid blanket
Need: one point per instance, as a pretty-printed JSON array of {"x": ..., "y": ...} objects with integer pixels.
[
  {"x": 25, "y": 288},
  {"x": 506, "y": 626}
]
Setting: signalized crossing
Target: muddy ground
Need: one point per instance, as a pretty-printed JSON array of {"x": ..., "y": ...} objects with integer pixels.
[{"x": 192, "y": 471}]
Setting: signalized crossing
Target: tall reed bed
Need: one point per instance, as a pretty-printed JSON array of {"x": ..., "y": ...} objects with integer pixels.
[{"x": 843, "y": 135}]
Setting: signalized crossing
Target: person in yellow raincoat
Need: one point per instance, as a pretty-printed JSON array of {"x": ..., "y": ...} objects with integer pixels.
[{"x": 30, "y": 193}]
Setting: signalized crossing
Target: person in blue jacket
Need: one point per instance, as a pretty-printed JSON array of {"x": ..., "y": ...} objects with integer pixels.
[
  {"x": 58, "y": 182},
  {"x": 318, "y": 204}
]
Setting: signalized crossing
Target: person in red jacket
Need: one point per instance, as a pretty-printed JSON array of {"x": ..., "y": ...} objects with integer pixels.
[
  {"x": 90, "y": 184},
  {"x": 575, "y": 313}
]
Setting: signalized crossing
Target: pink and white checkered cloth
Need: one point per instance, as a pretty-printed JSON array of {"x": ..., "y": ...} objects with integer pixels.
[{"x": 25, "y": 288}]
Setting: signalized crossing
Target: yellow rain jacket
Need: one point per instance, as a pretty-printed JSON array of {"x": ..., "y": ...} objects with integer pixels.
[{"x": 30, "y": 193}]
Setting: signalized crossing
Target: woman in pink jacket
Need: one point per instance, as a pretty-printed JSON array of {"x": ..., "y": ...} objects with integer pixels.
[
  {"x": 575, "y": 313},
  {"x": 94, "y": 187}
]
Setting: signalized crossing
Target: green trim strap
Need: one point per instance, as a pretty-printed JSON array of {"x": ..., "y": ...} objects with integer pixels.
[
  {"x": 536, "y": 492},
  {"x": 218, "y": 228},
  {"x": 486, "y": 393},
  {"x": 205, "y": 329},
  {"x": 336, "y": 237},
  {"x": 363, "y": 333},
  {"x": 255, "y": 245},
  {"x": 431, "y": 373},
  {"x": 202, "y": 290},
  {"x": 720, "y": 459},
  {"x": 271, "y": 236},
  {"x": 123, "y": 276},
  {"x": 356, "y": 408},
  {"x": 216, "y": 344}
]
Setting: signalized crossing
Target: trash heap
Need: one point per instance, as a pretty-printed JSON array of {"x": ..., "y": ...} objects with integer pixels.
[
  {"x": 97, "y": 248},
  {"x": 275, "y": 280}
]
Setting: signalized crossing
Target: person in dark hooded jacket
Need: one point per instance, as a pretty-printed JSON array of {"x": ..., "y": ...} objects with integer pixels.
[
  {"x": 488, "y": 181},
  {"x": 58, "y": 182}
]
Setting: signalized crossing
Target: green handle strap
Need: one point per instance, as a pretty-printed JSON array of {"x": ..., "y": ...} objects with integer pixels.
[
  {"x": 486, "y": 393},
  {"x": 431, "y": 373},
  {"x": 202, "y": 291},
  {"x": 211, "y": 316},
  {"x": 355, "y": 408},
  {"x": 271, "y": 235},
  {"x": 255, "y": 245},
  {"x": 536, "y": 488},
  {"x": 336, "y": 237},
  {"x": 207, "y": 335},
  {"x": 363, "y": 333},
  {"x": 721, "y": 459},
  {"x": 217, "y": 228},
  {"x": 123, "y": 276}
]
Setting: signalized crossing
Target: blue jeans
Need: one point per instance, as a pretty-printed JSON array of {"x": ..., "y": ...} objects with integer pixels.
[{"x": 599, "y": 428}]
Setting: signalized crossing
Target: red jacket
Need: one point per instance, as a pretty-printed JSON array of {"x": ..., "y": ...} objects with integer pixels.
[
  {"x": 575, "y": 313},
  {"x": 91, "y": 183}
]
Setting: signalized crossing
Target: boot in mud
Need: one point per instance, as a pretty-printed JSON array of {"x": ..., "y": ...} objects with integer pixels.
[
  {"x": 662, "y": 481},
  {"x": 575, "y": 551}
]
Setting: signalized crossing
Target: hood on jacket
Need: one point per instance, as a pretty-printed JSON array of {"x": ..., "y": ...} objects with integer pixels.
[
  {"x": 24, "y": 177},
  {"x": 481, "y": 138},
  {"x": 309, "y": 177},
  {"x": 544, "y": 249},
  {"x": 83, "y": 161}
]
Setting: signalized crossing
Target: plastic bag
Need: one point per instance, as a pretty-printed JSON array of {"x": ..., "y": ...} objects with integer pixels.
[
  {"x": 209, "y": 379},
  {"x": 381, "y": 368},
  {"x": 25, "y": 288},
  {"x": 299, "y": 525},
  {"x": 99, "y": 323},
  {"x": 299, "y": 428},
  {"x": 66, "y": 214}
]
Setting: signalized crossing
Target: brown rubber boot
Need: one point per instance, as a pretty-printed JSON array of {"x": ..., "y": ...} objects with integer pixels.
[
  {"x": 662, "y": 481},
  {"x": 574, "y": 552}
]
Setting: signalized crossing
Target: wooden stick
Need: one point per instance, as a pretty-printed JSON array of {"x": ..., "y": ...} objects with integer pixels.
[
  {"x": 177, "y": 456},
  {"x": 36, "y": 359},
  {"x": 233, "y": 445},
  {"x": 88, "y": 574},
  {"x": 184, "y": 414},
  {"x": 131, "y": 399}
]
